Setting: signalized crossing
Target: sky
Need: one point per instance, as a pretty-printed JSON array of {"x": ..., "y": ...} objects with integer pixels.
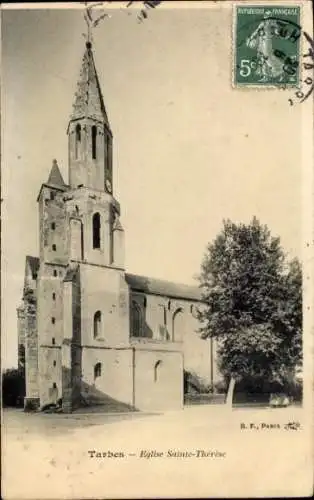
[{"x": 189, "y": 149}]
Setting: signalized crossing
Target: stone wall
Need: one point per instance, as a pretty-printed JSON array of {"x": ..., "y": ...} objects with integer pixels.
[
  {"x": 104, "y": 289},
  {"x": 21, "y": 335},
  {"x": 50, "y": 329},
  {"x": 114, "y": 381},
  {"x": 50, "y": 374},
  {"x": 96, "y": 289},
  {"x": 82, "y": 204},
  {"x": 50, "y": 304},
  {"x": 53, "y": 227},
  {"x": 83, "y": 169},
  {"x": 76, "y": 348},
  {"x": 158, "y": 379},
  {"x": 31, "y": 354},
  {"x": 175, "y": 320}
]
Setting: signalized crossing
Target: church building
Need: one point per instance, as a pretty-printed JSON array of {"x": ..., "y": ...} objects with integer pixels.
[{"x": 89, "y": 332}]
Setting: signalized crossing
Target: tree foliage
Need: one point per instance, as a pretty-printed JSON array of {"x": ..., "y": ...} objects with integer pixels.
[
  {"x": 13, "y": 387},
  {"x": 254, "y": 302}
]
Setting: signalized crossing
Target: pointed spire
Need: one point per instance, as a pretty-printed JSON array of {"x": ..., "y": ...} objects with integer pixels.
[
  {"x": 55, "y": 177},
  {"x": 117, "y": 226},
  {"x": 88, "y": 100}
]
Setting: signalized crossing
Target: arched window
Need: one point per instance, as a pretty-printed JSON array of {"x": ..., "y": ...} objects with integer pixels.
[
  {"x": 94, "y": 142},
  {"x": 97, "y": 324},
  {"x": 163, "y": 330},
  {"x": 157, "y": 368},
  {"x": 96, "y": 230},
  {"x": 53, "y": 393},
  {"x": 111, "y": 242},
  {"x": 82, "y": 241},
  {"x": 21, "y": 356},
  {"x": 77, "y": 139},
  {"x": 136, "y": 321},
  {"x": 97, "y": 370},
  {"x": 77, "y": 243},
  {"x": 177, "y": 324},
  {"x": 107, "y": 151},
  {"x": 194, "y": 311}
]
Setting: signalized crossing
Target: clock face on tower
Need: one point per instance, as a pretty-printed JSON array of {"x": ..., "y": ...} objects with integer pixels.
[{"x": 108, "y": 186}]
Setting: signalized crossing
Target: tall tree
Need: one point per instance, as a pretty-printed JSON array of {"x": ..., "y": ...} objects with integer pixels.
[{"x": 254, "y": 303}]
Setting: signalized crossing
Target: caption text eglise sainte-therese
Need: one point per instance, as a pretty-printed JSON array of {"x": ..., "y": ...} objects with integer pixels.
[{"x": 150, "y": 454}]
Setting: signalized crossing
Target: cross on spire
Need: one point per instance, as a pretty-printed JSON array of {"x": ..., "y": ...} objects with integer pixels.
[
  {"x": 92, "y": 22},
  {"x": 89, "y": 25}
]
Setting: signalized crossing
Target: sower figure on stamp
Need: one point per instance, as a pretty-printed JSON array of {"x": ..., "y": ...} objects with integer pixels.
[{"x": 268, "y": 64}]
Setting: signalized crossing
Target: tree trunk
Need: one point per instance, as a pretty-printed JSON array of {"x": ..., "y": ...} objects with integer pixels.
[{"x": 229, "y": 397}]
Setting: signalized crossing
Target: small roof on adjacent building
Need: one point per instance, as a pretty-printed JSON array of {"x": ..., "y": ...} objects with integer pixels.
[
  {"x": 55, "y": 176},
  {"x": 162, "y": 287},
  {"x": 55, "y": 179}
]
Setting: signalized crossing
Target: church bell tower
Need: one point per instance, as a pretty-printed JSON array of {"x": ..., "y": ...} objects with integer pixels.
[
  {"x": 89, "y": 132},
  {"x": 96, "y": 235}
]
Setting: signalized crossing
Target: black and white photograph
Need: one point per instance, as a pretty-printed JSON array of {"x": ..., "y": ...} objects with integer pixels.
[{"x": 157, "y": 249}]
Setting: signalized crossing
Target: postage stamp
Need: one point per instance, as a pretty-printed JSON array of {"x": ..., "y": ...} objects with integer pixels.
[{"x": 266, "y": 45}]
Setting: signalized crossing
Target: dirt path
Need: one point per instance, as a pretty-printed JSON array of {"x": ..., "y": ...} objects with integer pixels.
[{"x": 200, "y": 451}]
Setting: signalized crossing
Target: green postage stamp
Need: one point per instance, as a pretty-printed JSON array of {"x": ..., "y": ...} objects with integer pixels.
[{"x": 266, "y": 45}]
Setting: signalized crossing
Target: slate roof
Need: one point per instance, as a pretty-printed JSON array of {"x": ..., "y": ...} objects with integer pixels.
[
  {"x": 33, "y": 263},
  {"x": 88, "y": 100},
  {"x": 117, "y": 225},
  {"x": 161, "y": 287},
  {"x": 137, "y": 283}
]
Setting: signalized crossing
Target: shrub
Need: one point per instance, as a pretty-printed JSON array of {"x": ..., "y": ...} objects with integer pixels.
[
  {"x": 194, "y": 384},
  {"x": 13, "y": 387},
  {"x": 220, "y": 387},
  {"x": 294, "y": 390}
]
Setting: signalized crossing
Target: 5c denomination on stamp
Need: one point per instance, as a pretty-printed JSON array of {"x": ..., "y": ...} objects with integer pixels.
[{"x": 266, "y": 45}]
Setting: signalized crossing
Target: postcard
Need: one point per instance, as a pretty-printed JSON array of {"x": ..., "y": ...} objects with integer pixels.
[{"x": 157, "y": 249}]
